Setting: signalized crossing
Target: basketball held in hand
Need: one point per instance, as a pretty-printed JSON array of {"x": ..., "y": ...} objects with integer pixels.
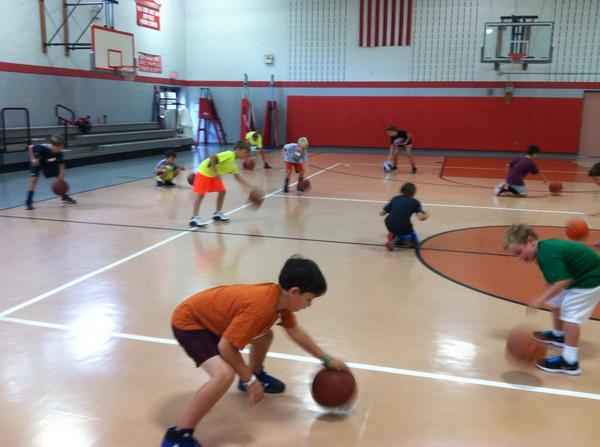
[
  {"x": 191, "y": 178},
  {"x": 334, "y": 389},
  {"x": 60, "y": 187}
]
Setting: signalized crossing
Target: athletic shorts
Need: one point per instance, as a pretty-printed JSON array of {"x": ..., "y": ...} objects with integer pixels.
[
  {"x": 199, "y": 344},
  {"x": 410, "y": 237},
  {"x": 576, "y": 305},
  {"x": 49, "y": 171},
  {"x": 298, "y": 167},
  {"x": 204, "y": 184},
  {"x": 405, "y": 147}
]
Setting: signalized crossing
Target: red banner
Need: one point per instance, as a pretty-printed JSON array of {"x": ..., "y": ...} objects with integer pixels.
[
  {"x": 148, "y": 14},
  {"x": 150, "y": 63}
]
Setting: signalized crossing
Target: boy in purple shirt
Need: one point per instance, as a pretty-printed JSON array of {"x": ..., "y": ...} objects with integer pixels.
[{"x": 518, "y": 168}]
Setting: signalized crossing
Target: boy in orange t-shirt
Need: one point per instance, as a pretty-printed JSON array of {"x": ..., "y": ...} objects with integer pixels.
[{"x": 214, "y": 325}]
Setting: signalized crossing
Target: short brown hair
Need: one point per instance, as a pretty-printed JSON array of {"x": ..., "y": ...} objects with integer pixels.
[
  {"x": 241, "y": 144},
  {"x": 56, "y": 140},
  {"x": 518, "y": 234},
  {"x": 408, "y": 189}
]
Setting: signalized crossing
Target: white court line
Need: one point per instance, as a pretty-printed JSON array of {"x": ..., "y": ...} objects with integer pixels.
[
  {"x": 461, "y": 167},
  {"x": 442, "y": 205},
  {"x": 305, "y": 359},
  {"x": 90, "y": 275},
  {"x": 76, "y": 281}
]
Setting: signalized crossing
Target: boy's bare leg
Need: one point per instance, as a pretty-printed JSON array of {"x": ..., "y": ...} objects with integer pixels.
[
  {"x": 558, "y": 323},
  {"x": 221, "y": 377},
  {"x": 197, "y": 202},
  {"x": 258, "y": 351},
  {"x": 220, "y": 200}
]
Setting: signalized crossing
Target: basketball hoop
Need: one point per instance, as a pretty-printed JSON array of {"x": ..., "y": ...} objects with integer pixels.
[
  {"x": 126, "y": 72},
  {"x": 516, "y": 57}
]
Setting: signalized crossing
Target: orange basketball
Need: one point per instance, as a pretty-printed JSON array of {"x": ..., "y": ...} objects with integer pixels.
[
  {"x": 521, "y": 347},
  {"x": 305, "y": 185},
  {"x": 555, "y": 187},
  {"x": 256, "y": 197},
  {"x": 191, "y": 178},
  {"x": 249, "y": 164},
  {"x": 60, "y": 187},
  {"x": 577, "y": 229},
  {"x": 332, "y": 389}
]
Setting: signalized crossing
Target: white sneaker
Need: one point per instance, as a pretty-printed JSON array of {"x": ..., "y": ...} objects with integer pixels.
[
  {"x": 220, "y": 215},
  {"x": 196, "y": 222}
]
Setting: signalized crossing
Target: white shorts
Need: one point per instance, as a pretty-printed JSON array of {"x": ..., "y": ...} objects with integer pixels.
[{"x": 576, "y": 305}]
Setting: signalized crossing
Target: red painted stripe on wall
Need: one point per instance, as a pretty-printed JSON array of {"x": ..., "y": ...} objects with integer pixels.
[
  {"x": 469, "y": 123},
  {"x": 54, "y": 71}
]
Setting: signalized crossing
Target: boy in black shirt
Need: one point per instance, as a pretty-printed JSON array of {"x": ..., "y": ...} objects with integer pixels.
[
  {"x": 399, "y": 139},
  {"x": 47, "y": 158},
  {"x": 399, "y": 210}
]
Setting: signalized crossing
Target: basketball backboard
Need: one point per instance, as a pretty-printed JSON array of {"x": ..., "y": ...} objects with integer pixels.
[
  {"x": 113, "y": 50},
  {"x": 531, "y": 40}
]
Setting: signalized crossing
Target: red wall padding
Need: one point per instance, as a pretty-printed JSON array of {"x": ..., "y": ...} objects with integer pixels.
[{"x": 437, "y": 122}]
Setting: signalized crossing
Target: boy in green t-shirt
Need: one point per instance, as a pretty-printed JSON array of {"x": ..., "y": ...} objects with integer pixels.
[{"x": 572, "y": 271}]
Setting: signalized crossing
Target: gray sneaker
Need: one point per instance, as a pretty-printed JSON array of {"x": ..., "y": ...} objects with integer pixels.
[
  {"x": 220, "y": 215},
  {"x": 196, "y": 222}
]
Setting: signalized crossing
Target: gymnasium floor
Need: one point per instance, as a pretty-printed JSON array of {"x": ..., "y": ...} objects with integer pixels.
[{"x": 88, "y": 290}]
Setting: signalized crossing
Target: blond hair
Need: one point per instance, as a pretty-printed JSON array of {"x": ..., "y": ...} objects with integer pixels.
[
  {"x": 303, "y": 141},
  {"x": 518, "y": 234}
]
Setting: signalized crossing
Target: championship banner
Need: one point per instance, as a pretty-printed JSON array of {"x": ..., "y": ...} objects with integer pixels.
[
  {"x": 150, "y": 63},
  {"x": 148, "y": 13}
]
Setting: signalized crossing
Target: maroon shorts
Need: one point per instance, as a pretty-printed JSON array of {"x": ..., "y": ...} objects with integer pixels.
[{"x": 199, "y": 344}]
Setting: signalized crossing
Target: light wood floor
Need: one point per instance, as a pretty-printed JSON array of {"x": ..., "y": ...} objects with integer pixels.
[{"x": 87, "y": 356}]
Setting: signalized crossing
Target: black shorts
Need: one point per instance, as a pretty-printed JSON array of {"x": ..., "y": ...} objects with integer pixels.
[
  {"x": 49, "y": 171},
  {"x": 199, "y": 344}
]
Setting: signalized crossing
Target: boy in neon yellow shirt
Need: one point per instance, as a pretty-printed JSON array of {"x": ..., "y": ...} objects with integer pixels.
[
  {"x": 208, "y": 179},
  {"x": 254, "y": 140}
]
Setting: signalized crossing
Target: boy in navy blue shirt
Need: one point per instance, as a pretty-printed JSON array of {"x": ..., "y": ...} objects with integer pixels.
[
  {"x": 47, "y": 158},
  {"x": 399, "y": 210}
]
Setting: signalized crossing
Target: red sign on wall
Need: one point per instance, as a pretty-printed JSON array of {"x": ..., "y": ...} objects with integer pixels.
[
  {"x": 150, "y": 63},
  {"x": 148, "y": 13}
]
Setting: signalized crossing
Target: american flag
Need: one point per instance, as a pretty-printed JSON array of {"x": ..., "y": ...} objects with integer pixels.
[{"x": 385, "y": 23}]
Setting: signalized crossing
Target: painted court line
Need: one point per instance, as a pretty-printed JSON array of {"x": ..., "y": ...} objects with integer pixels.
[
  {"x": 362, "y": 366},
  {"x": 443, "y": 205},
  {"x": 76, "y": 281}
]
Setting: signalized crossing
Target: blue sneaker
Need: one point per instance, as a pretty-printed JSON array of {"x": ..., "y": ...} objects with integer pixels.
[
  {"x": 174, "y": 439},
  {"x": 559, "y": 365},
  {"x": 549, "y": 338},
  {"x": 270, "y": 384}
]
